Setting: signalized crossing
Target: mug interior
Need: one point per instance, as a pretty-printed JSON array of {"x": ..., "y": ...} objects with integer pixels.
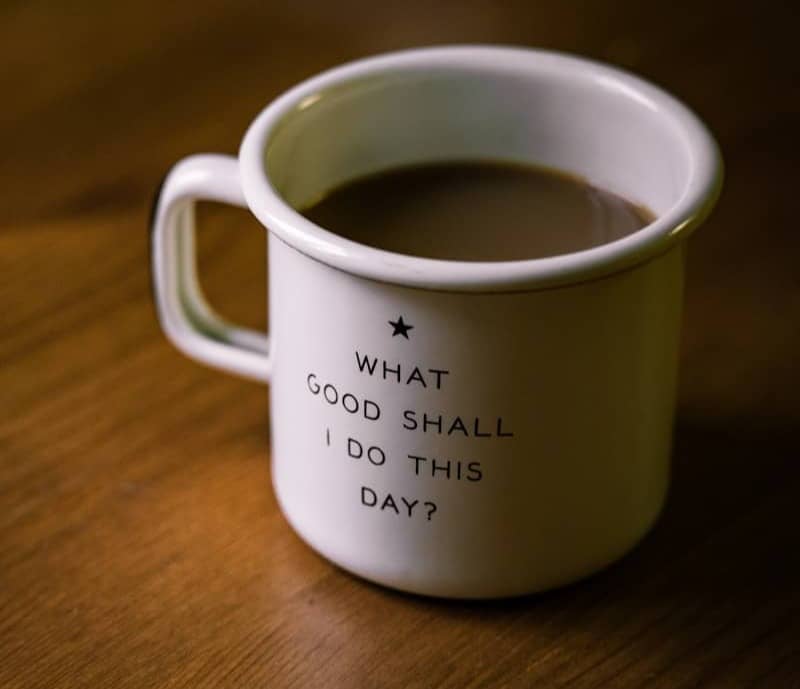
[
  {"x": 460, "y": 103},
  {"x": 576, "y": 121}
]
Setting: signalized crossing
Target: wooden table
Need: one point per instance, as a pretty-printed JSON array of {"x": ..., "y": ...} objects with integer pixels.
[{"x": 140, "y": 544}]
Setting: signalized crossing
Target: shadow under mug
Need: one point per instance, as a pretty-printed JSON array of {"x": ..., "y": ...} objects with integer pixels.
[{"x": 460, "y": 429}]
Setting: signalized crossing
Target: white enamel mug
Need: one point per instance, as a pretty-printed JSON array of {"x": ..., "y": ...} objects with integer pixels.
[{"x": 460, "y": 429}]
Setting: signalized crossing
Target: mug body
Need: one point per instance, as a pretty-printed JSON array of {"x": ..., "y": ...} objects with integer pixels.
[
  {"x": 498, "y": 444},
  {"x": 474, "y": 429}
]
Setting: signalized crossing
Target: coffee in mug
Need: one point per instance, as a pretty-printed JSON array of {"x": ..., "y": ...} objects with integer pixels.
[{"x": 476, "y": 211}]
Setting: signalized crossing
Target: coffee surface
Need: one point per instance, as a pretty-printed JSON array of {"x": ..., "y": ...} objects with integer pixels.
[{"x": 476, "y": 211}]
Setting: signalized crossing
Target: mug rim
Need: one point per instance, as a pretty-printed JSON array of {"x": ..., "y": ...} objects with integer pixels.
[{"x": 677, "y": 223}]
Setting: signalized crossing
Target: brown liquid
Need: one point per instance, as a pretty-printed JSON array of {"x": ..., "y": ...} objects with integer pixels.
[{"x": 476, "y": 212}]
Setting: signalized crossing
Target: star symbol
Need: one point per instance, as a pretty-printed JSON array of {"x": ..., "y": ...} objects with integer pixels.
[{"x": 400, "y": 328}]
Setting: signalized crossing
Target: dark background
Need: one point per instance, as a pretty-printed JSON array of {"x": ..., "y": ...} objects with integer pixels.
[{"x": 139, "y": 542}]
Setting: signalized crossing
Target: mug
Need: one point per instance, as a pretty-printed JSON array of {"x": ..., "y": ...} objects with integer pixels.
[{"x": 457, "y": 429}]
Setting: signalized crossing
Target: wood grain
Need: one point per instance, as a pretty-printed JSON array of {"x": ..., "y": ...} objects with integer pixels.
[{"x": 140, "y": 544}]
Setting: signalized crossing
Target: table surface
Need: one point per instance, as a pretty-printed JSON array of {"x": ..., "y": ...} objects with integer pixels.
[{"x": 140, "y": 544}]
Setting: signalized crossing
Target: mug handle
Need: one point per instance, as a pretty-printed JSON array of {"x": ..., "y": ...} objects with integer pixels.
[{"x": 186, "y": 317}]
